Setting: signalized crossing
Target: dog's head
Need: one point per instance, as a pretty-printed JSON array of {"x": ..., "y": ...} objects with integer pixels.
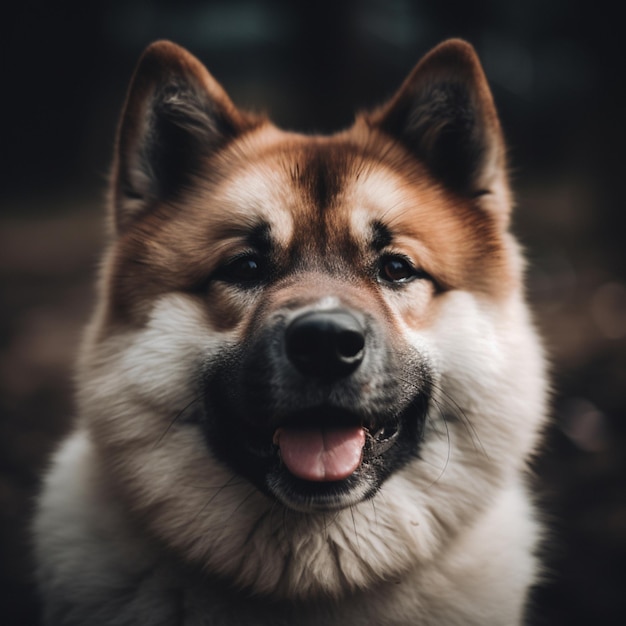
[{"x": 292, "y": 326}]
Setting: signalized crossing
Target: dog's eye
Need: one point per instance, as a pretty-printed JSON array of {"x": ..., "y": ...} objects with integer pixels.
[
  {"x": 397, "y": 269},
  {"x": 244, "y": 270}
]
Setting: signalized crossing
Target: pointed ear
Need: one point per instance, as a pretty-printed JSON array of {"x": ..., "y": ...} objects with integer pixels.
[
  {"x": 445, "y": 115},
  {"x": 175, "y": 114}
]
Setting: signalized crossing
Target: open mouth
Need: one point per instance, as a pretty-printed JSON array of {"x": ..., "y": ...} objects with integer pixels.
[
  {"x": 325, "y": 464},
  {"x": 330, "y": 454},
  {"x": 320, "y": 458}
]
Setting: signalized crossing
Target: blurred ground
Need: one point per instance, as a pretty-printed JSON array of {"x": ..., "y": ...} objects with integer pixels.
[{"x": 557, "y": 76}]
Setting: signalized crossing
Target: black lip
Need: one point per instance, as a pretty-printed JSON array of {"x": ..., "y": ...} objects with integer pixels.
[{"x": 306, "y": 497}]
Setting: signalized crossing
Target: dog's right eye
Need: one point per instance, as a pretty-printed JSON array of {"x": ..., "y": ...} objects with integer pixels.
[{"x": 247, "y": 270}]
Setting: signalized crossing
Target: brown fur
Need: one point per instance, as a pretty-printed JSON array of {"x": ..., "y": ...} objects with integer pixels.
[{"x": 178, "y": 245}]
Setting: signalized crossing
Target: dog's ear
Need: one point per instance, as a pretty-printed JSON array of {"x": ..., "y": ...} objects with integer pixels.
[
  {"x": 444, "y": 114},
  {"x": 175, "y": 114}
]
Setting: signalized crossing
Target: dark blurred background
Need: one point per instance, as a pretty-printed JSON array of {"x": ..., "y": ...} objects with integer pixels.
[{"x": 557, "y": 72}]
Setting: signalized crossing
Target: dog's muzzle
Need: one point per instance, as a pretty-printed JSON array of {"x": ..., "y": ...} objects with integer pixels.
[{"x": 317, "y": 407}]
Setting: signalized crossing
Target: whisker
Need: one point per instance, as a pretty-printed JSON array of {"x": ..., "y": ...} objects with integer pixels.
[
  {"x": 259, "y": 524},
  {"x": 460, "y": 412},
  {"x": 230, "y": 483},
  {"x": 356, "y": 534},
  {"x": 375, "y": 511},
  {"x": 176, "y": 418},
  {"x": 447, "y": 461},
  {"x": 244, "y": 500},
  {"x": 448, "y": 401},
  {"x": 332, "y": 521},
  {"x": 212, "y": 498}
]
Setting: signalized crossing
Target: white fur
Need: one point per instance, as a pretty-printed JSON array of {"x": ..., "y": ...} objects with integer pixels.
[
  {"x": 446, "y": 535},
  {"x": 469, "y": 582}
]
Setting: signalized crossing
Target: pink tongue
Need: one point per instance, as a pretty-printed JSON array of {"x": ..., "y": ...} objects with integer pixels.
[{"x": 324, "y": 454}]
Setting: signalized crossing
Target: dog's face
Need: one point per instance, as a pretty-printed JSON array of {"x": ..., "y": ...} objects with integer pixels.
[
  {"x": 311, "y": 363},
  {"x": 321, "y": 397}
]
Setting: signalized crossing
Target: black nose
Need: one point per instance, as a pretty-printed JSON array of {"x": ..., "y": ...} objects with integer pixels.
[{"x": 325, "y": 344}]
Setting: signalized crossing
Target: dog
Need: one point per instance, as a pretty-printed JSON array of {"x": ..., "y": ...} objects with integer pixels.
[{"x": 312, "y": 386}]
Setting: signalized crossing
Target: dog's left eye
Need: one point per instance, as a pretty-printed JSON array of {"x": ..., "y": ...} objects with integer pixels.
[
  {"x": 244, "y": 270},
  {"x": 396, "y": 269}
]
